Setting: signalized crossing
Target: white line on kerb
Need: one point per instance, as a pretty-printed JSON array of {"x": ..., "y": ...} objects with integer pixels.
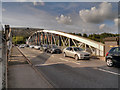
[{"x": 108, "y": 71}]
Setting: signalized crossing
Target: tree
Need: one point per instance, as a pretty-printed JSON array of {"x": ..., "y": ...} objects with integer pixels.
[
  {"x": 79, "y": 34},
  {"x": 85, "y": 35},
  {"x": 18, "y": 40}
]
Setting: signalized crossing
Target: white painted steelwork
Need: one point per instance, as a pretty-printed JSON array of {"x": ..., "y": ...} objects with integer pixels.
[
  {"x": 92, "y": 43},
  {"x": 97, "y": 45}
]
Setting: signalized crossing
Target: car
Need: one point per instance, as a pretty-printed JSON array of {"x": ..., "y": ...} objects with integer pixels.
[
  {"x": 44, "y": 47},
  {"x": 76, "y": 53},
  {"x": 26, "y": 45},
  {"x": 53, "y": 49},
  {"x": 22, "y": 46},
  {"x": 113, "y": 57},
  {"x": 31, "y": 46},
  {"x": 37, "y": 47}
]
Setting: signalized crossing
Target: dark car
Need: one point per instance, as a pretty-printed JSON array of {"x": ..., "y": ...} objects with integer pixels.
[
  {"x": 26, "y": 45},
  {"x": 113, "y": 56},
  {"x": 53, "y": 49}
]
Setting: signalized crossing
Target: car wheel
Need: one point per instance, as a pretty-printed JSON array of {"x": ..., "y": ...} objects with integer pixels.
[
  {"x": 88, "y": 59},
  {"x": 44, "y": 50},
  {"x": 76, "y": 57},
  {"x": 65, "y": 55},
  {"x": 109, "y": 63}
]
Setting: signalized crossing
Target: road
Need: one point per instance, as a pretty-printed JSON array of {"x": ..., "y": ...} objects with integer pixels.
[{"x": 65, "y": 72}]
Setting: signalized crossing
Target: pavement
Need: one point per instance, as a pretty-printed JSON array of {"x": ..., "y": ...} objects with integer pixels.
[
  {"x": 66, "y": 72},
  {"x": 22, "y": 75}
]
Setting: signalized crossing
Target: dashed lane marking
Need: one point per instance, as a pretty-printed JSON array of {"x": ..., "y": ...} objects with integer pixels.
[{"x": 107, "y": 71}]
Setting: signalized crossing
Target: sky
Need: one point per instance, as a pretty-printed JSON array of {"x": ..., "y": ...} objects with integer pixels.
[{"x": 78, "y": 17}]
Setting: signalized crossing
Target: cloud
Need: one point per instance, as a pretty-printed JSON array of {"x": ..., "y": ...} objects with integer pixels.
[
  {"x": 38, "y": 18},
  {"x": 98, "y": 15},
  {"x": 19, "y": 17},
  {"x": 35, "y": 2},
  {"x": 25, "y": 0},
  {"x": 3, "y": 9},
  {"x": 117, "y": 21},
  {"x": 64, "y": 20},
  {"x": 39, "y": 2},
  {"x": 65, "y": 0},
  {"x": 102, "y": 26}
]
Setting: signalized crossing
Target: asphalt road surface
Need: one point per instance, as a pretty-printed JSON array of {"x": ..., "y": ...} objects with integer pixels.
[{"x": 66, "y": 72}]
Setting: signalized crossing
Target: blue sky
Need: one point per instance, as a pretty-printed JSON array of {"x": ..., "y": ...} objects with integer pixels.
[{"x": 83, "y": 17}]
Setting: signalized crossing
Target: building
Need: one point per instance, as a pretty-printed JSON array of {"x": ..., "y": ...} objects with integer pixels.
[{"x": 111, "y": 42}]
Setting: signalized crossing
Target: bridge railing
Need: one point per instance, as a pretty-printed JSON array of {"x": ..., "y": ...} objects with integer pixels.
[{"x": 5, "y": 48}]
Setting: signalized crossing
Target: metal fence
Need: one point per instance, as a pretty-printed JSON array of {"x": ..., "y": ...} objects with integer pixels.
[
  {"x": 5, "y": 51},
  {"x": 4, "y": 60}
]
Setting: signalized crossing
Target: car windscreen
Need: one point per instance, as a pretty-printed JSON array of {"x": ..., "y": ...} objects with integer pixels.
[{"x": 78, "y": 49}]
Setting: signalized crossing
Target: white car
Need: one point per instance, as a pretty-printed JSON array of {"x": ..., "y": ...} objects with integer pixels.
[
  {"x": 37, "y": 47},
  {"x": 31, "y": 46},
  {"x": 22, "y": 46},
  {"x": 76, "y": 52}
]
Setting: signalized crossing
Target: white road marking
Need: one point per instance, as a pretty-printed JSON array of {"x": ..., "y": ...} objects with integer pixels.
[
  {"x": 69, "y": 61},
  {"x": 47, "y": 64},
  {"x": 52, "y": 56},
  {"x": 33, "y": 56},
  {"x": 64, "y": 59},
  {"x": 107, "y": 71}
]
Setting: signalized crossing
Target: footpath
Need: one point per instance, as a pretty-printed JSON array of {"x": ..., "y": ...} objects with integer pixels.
[{"x": 21, "y": 74}]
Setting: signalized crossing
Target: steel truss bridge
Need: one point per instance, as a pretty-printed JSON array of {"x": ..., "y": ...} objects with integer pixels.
[
  {"x": 63, "y": 39},
  {"x": 39, "y": 37}
]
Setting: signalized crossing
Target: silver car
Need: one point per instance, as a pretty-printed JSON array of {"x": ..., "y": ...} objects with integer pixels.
[
  {"x": 22, "y": 46},
  {"x": 31, "y": 46},
  {"x": 76, "y": 52},
  {"x": 37, "y": 47}
]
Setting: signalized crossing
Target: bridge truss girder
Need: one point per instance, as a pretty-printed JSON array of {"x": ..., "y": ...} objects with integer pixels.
[{"x": 63, "y": 40}]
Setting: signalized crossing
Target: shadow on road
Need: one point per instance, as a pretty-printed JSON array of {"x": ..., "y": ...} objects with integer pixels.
[{"x": 64, "y": 76}]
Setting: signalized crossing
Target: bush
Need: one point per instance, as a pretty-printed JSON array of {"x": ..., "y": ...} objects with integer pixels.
[{"x": 18, "y": 40}]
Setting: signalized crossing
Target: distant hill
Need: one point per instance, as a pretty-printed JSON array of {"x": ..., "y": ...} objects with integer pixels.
[{"x": 25, "y": 32}]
